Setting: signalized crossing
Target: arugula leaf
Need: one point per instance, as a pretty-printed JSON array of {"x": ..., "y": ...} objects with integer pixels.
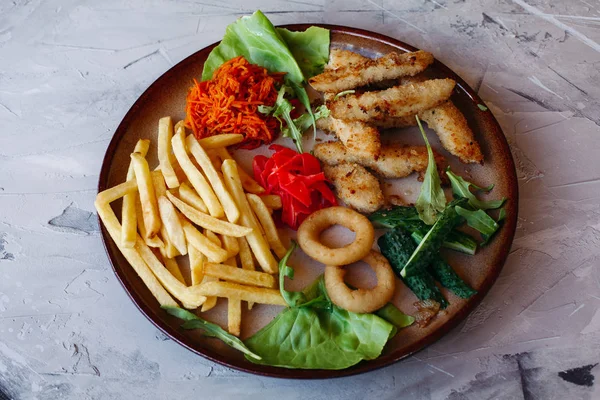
[
  {"x": 310, "y": 48},
  {"x": 195, "y": 322},
  {"x": 408, "y": 218},
  {"x": 462, "y": 188},
  {"x": 304, "y": 121},
  {"x": 343, "y": 93},
  {"x": 478, "y": 220},
  {"x": 255, "y": 38},
  {"x": 430, "y": 246},
  {"x": 282, "y": 109},
  {"x": 394, "y": 316},
  {"x": 293, "y": 299},
  {"x": 502, "y": 215},
  {"x": 432, "y": 199}
]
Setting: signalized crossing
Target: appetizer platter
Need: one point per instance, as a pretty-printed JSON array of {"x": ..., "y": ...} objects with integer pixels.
[{"x": 307, "y": 201}]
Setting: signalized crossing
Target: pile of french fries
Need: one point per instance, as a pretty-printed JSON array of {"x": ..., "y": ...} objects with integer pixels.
[{"x": 198, "y": 202}]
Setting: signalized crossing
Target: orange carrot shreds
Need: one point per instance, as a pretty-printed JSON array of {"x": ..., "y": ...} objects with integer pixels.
[{"x": 228, "y": 103}]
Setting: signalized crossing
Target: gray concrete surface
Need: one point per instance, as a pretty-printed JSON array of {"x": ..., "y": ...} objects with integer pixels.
[{"x": 70, "y": 69}]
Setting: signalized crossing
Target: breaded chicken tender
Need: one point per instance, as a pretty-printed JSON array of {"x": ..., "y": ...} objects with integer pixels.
[
  {"x": 455, "y": 135},
  {"x": 398, "y": 101},
  {"x": 359, "y": 138},
  {"x": 395, "y": 161},
  {"x": 355, "y": 186},
  {"x": 390, "y": 66}
]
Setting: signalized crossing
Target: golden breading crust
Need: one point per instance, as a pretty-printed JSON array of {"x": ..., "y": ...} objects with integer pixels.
[
  {"x": 398, "y": 101},
  {"x": 339, "y": 58},
  {"x": 390, "y": 66},
  {"x": 395, "y": 161},
  {"x": 355, "y": 186},
  {"x": 455, "y": 135},
  {"x": 359, "y": 138}
]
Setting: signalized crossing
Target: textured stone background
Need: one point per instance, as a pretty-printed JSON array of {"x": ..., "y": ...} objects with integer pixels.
[{"x": 70, "y": 69}]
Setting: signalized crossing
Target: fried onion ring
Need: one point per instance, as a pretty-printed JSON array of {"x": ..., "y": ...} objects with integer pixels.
[
  {"x": 310, "y": 230},
  {"x": 361, "y": 300}
]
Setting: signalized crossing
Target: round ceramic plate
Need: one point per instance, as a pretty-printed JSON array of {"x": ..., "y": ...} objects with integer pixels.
[{"x": 167, "y": 95}]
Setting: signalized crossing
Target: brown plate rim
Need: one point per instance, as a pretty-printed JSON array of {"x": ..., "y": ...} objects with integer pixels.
[{"x": 365, "y": 366}]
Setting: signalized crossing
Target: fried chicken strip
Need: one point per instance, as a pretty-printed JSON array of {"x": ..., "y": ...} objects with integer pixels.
[
  {"x": 398, "y": 101},
  {"x": 395, "y": 161},
  {"x": 359, "y": 138},
  {"x": 390, "y": 66},
  {"x": 356, "y": 186},
  {"x": 455, "y": 135}
]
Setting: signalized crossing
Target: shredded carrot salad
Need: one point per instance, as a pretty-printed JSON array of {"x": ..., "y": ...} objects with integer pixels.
[{"x": 228, "y": 103}]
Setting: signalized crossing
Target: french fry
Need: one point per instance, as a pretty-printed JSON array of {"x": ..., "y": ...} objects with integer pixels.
[
  {"x": 116, "y": 192},
  {"x": 171, "y": 222},
  {"x": 190, "y": 297},
  {"x": 195, "y": 176},
  {"x": 147, "y": 195},
  {"x": 231, "y": 245},
  {"x": 190, "y": 196},
  {"x": 249, "y": 184},
  {"x": 246, "y": 259},
  {"x": 160, "y": 189},
  {"x": 214, "y": 159},
  {"x": 213, "y": 237},
  {"x": 208, "y": 222},
  {"x": 229, "y": 206},
  {"x": 165, "y": 133},
  {"x": 239, "y": 275},
  {"x": 173, "y": 268},
  {"x": 234, "y": 316},
  {"x": 231, "y": 262},
  {"x": 272, "y": 201},
  {"x": 112, "y": 225},
  {"x": 158, "y": 182},
  {"x": 257, "y": 242},
  {"x": 211, "y": 301},
  {"x": 222, "y": 140},
  {"x": 197, "y": 260},
  {"x": 202, "y": 243},
  {"x": 262, "y": 212},
  {"x": 154, "y": 241},
  {"x": 179, "y": 125},
  {"x": 242, "y": 292},
  {"x": 128, "y": 212}
]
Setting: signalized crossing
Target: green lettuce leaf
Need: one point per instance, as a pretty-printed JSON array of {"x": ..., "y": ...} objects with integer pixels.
[
  {"x": 310, "y": 48},
  {"x": 255, "y": 38},
  {"x": 311, "y": 337},
  {"x": 432, "y": 199}
]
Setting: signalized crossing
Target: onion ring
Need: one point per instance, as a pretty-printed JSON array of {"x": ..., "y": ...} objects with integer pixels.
[
  {"x": 310, "y": 230},
  {"x": 361, "y": 300}
]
